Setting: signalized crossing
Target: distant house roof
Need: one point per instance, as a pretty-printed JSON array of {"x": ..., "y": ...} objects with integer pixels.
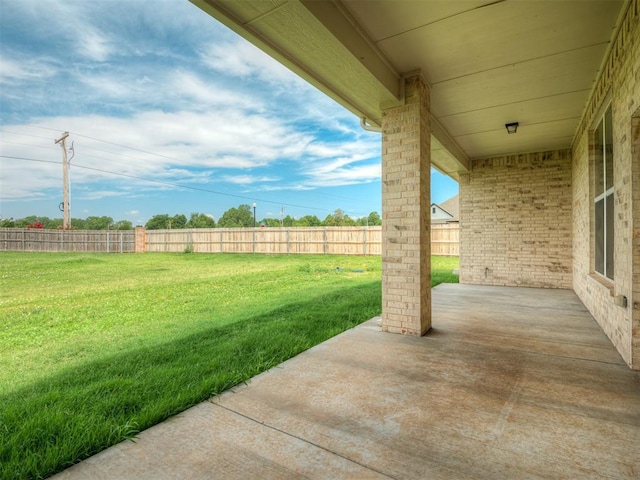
[{"x": 451, "y": 207}]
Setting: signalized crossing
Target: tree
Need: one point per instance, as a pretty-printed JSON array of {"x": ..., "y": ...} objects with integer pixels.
[
  {"x": 77, "y": 224},
  {"x": 270, "y": 222},
  {"x": 164, "y": 221},
  {"x": 339, "y": 219},
  {"x": 237, "y": 217},
  {"x": 374, "y": 219},
  {"x": 158, "y": 222},
  {"x": 201, "y": 220},
  {"x": 309, "y": 221},
  {"x": 178, "y": 221},
  {"x": 23, "y": 222},
  {"x": 288, "y": 221},
  {"x": 53, "y": 223},
  {"x": 371, "y": 220},
  {"x": 45, "y": 221},
  {"x": 98, "y": 223},
  {"x": 7, "y": 223},
  {"x": 122, "y": 225}
]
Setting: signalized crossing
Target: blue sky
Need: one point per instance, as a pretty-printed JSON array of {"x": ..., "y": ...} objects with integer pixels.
[{"x": 169, "y": 112}]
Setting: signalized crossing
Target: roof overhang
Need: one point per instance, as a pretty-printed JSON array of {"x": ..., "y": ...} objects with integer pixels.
[{"x": 488, "y": 62}]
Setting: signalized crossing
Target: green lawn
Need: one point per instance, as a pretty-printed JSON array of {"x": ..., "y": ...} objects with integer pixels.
[{"x": 95, "y": 347}]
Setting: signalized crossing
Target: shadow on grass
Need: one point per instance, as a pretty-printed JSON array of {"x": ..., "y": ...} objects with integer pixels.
[{"x": 63, "y": 419}]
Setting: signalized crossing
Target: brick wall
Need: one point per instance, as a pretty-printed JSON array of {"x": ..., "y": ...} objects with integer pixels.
[
  {"x": 515, "y": 221},
  {"x": 619, "y": 83}
]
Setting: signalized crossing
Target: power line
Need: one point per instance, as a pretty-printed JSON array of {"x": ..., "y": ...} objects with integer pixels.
[
  {"x": 31, "y": 145},
  {"x": 330, "y": 196},
  {"x": 25, "y": 135},
  {"x": 111, "y": 143},
  {"x": 339, "y": 197},
  {"x": 162, "y": 182}
]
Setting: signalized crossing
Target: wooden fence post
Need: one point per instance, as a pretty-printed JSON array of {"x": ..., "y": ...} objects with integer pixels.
[
  {"x": 324, "y": 240},
  {"x": 364, "y": 241}
]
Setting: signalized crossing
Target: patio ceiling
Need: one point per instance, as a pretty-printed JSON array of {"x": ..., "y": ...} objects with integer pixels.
[{"x": 488, "y": 62}]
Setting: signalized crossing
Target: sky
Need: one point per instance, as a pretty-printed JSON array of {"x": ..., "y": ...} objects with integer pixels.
[{"x": 168, "y": 111}]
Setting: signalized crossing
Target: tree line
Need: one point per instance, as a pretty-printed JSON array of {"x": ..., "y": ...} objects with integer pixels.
[
  {"x": 236, "y": 217},
  {"x": 89, "y": 223}
]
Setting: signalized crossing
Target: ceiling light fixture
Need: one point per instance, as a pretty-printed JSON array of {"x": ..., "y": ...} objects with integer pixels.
[{"x": 511, "y": 127}]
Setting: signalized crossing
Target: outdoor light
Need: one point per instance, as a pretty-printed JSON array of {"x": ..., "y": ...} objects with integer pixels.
[
  {"x": 254, "y": 214},
  {"x": 511, "y": 127}
]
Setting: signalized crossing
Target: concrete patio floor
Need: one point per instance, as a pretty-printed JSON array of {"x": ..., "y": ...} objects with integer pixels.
[{"x": 511, "y": 383}]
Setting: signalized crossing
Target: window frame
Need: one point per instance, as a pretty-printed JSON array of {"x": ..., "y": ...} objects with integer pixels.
[{"x": 603, "y": 213}]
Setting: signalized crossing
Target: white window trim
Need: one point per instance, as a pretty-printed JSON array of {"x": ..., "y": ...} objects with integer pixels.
[{"x": 601, "y": 120}]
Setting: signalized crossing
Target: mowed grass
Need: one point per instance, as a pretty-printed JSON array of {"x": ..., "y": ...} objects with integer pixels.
[{"x": 95, "y": 348}]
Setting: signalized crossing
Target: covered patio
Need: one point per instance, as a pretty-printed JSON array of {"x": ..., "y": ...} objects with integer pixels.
[
  {"x": 532, "y": 106},
  {"x": 510, "y": 383}
]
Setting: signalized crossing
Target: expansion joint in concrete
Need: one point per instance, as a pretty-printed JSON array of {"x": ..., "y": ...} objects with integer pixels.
[{"x": 289, "y": 434}]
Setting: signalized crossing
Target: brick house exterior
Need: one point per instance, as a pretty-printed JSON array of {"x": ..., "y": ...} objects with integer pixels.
[
  {"x": 440, "y": 83},
  {"x": 619, "y": 86}
]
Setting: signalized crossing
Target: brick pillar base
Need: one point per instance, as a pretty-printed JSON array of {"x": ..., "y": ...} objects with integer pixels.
[{"x": 406, "y": 229}]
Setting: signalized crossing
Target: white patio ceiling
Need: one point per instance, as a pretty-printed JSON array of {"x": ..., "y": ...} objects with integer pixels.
[{"x": 488, "y": 62}]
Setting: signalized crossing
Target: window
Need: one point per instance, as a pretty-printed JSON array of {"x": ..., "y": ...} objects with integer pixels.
[
  {"x": 603, "y": 195},
  {"x": 433, "y": 209}
]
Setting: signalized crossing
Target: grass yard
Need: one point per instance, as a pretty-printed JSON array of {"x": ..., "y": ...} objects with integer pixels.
[{"x": 95, "y": 347}]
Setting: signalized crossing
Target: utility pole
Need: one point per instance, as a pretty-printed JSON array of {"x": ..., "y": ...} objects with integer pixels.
[{"x": 66, "y": 223}]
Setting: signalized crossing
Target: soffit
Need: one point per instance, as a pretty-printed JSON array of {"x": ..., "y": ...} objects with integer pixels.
[
  {"x": 488, "y": 62},
  {"x": 491, "y": 63},
  {"x": 291, "y": 34}
]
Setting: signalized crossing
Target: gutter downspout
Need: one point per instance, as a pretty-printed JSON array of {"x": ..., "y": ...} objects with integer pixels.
[{"x": 369, "y": 127}]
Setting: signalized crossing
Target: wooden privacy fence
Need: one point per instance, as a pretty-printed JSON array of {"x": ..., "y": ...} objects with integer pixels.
[
  {"x": 445, "y": 239},
  {"x": 41, "y": 240},
  {"x": 294, "y": 240}
]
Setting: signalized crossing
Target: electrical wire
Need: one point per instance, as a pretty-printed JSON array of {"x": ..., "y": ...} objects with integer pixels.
[
  {"x": 146, "y": 152},
  {"x": 333, "y": 196},
  {"x": 163, "y": 182}
]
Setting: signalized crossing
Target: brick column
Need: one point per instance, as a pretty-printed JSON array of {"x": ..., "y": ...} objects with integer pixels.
[
  {"x": 141, "y": 240},
  {"x": 406, "y": 229}
]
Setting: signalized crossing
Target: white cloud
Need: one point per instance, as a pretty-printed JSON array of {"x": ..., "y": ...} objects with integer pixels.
[
  {"x": 91, "y": 43},
  {"x": 178, "y": 148},
  {"x": 207, "y": 94},
  {"x": 241, "y": 59},
  {"x": 347, "y": 176},
  {"x": 248, "y": 179},
  {"x": 14, "y": 70},
  {"x": 224, "y": 117},
  {"x": 98, "y": 194}
]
